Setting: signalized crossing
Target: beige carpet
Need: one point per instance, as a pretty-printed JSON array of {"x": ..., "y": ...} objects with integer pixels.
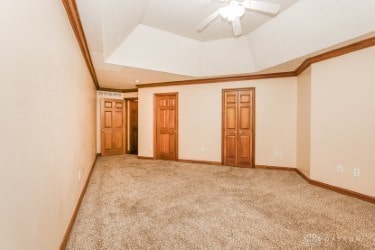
[{"x": 144, "y": 204}]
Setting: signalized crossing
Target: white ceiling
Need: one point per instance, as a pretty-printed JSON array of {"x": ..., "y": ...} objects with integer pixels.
[
  {"x": 126, "y": 32},
  {"x": 183, "y": 16},
  {"x": 108, "y": 23}
]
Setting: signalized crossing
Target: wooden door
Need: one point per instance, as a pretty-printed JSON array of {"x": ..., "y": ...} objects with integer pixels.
[
  {"x": 166, "y": 126},
  {"x": 238, "y": 127},
  {"x": 133, "y": 126},
  {"x": 112, "y": 125}
]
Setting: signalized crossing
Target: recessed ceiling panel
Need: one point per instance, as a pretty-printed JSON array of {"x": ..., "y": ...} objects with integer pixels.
[{"x": 305, "y": 28}]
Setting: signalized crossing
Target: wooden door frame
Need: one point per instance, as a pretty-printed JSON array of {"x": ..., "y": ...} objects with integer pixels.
[
  {"x": 155, "y": 118},
  {"x": 223, "y": 120},
  {"x": 126, "y": 120}
]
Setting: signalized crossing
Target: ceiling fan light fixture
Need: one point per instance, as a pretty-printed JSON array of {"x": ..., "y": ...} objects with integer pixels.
[
  {"x": 232, "y": 11},
  {"x": 235, "y": 10}
]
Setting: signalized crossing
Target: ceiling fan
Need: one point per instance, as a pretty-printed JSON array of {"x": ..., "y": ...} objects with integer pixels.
[{"x": 235, "y": 10}]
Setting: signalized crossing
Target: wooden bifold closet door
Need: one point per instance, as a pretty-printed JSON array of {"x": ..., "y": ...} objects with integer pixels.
[
  {"x": 166, "y": 126},
  {"x": 238, "y": 127}
]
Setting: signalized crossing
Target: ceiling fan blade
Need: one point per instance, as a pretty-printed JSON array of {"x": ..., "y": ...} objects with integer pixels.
[
  {"x": 272, "y": 8},
  {"x": 207, "y": 21},
  {"x": 236, "y": 24}
]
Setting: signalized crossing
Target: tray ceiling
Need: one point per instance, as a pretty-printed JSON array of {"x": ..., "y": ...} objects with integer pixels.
[{"x": 122, "y": 36}]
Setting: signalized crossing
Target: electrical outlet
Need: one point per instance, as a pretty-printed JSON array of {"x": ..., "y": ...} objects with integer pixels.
[
  {"x": 356, "y": 172},
  {"x": 340, "y": 168}
]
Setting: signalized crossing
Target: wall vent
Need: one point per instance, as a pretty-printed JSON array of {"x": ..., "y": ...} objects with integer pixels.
[{"x": 106, "y": 94}]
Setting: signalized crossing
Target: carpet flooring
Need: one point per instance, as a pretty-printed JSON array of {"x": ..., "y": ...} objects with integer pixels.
[{"x": 146, "y": 204}]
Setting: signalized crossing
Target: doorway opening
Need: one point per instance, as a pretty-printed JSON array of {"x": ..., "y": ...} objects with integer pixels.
[{"x": 132, "y": 125}]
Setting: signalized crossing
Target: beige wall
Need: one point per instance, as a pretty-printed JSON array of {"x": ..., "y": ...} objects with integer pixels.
[
  {"x": 200, "y": 120},
  {"x": 303, "y": 121},
  {"x": 343, "y": 120},
  {"x": 47, "y": 106}
]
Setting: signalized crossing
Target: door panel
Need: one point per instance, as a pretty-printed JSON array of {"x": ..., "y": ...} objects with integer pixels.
[
  {"x": 119, "y": 122},
  {"x": 112, "y": 127},
  {"x": 244, "y": 117},
  {"x": 171, "y": 119},
  {"x": 172, "y": 144},
  {"x": 244, "y": 151},
  {"x": 231, "y": 98},
  {"x": 238, "y": 127},
  {"x": 108, "y": 119},
  {"x": 166, "y": 126},
  {"x": 230, "y": 151},
  {"x": 231, "y": 118},
  {"x": 231, "y": 146},
  {"x": 108, "y": 140},
  {"x": 118, "y": 141},
  {"x": 244, "y": 98}
]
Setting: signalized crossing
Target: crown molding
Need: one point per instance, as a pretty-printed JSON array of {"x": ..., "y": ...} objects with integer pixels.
[
  {"x": 304, "y": 65},
  {"x": 75, "y": 21},
  {"x": 118, "y": 90},
  {"x": 111, "y": 90},
  {"x": 335, "y": 53},
  {"x": 130, "y": 90},
  {"x": 218, "y": 79}
]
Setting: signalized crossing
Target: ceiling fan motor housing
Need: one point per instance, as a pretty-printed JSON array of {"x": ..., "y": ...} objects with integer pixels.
[{"x": 232, "y": 11}]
